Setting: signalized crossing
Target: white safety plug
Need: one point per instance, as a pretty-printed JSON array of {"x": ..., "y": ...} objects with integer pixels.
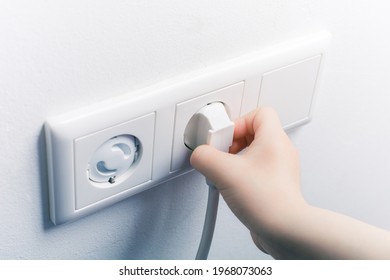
[{"x": 113, "y": 159}]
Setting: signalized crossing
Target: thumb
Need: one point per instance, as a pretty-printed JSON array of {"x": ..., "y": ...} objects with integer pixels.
[{"x": 219, "y": 167}]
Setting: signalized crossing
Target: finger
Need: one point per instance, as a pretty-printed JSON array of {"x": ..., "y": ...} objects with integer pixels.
[
  {"x": 217, "y": 166},
  {"x": 243, "y": 126},
  {"x": 258, "y": 123},
  {"x": 266, "y": 123},
  {"x": 243, "y": 132}
]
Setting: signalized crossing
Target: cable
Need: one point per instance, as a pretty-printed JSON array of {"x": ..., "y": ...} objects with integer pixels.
[
  {"x": 210, "y": 125},
  {"x": 209, "y": 224}
]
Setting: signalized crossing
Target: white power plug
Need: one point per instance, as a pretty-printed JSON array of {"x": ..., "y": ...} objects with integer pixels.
[{"x": 210, "y": 125}]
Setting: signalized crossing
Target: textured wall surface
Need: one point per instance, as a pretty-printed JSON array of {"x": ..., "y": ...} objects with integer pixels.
[{"x": 60, "y": 55}]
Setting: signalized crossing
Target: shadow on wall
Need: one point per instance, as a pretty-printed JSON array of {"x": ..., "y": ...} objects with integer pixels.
[
  {"x": 46, "y": 222},
  {"x": 172, "y": 229}
]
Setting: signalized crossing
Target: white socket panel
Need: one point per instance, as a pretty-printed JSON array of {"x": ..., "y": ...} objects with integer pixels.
[{"x": 105, "y": 152}]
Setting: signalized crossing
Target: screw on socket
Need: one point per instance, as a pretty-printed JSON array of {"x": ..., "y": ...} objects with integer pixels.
[{"x": 111, "y": 180}]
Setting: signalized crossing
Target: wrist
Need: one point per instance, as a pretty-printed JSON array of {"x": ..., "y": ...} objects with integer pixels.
[{"x": 279, "y": 229}]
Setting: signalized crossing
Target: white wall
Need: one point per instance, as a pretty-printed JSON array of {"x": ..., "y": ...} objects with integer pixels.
[{"x": 60, "y": 55}]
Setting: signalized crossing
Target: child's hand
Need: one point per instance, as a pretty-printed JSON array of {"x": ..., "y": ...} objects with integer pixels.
[{"x": 262, "y": 185}]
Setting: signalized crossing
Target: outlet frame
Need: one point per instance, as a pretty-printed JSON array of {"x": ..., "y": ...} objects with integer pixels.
[{"x": 161, "y": 101}]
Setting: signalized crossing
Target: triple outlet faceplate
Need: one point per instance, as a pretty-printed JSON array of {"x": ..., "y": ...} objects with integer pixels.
[{"x": 106, "y": 152}]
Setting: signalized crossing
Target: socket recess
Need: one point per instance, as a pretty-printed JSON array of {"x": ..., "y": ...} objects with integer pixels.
[
  {"x": 108, "y": 151},
  {"x": 230, "y": 96}
]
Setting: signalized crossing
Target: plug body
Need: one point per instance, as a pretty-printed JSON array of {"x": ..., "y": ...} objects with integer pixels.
[{"x": 210, "y": 125}]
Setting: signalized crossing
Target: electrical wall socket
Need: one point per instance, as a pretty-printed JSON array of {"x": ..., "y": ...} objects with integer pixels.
[{"x": 105, "y": 152}]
